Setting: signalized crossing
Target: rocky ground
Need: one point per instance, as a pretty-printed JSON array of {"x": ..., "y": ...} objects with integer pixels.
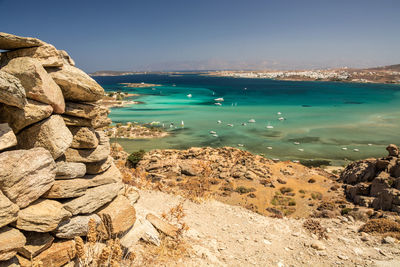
[
  {"x": 225, "y": 235},
  {"x": 238, "y": 177}
]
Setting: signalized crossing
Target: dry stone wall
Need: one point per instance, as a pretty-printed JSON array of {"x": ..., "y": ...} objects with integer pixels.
[{"x": 56, "y": 172}]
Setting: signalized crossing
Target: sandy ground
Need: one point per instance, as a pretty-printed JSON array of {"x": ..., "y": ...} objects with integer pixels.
[{"x": 224, "y": 235}]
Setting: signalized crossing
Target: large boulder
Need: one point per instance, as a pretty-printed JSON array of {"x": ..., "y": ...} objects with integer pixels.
[
  {"x": 8, "y": 210},
  {"x": 47, "y": 54},
  {"x": 122, "y": 214},
  {"x": 75, "y": 84},
  {"x": 36, "y": 243},
  {"x": 83, "y": 137},
  {"x": 10, "y": 241},
  {"x": 43, "y": 215},
  {"x": 37, "y": 82},
  {"x": 11, "y": 90},
  {"x": 25, "y": 175},
  {"x": 75, "y": 226},
  {"x": 31, "y": 113},
  {"x": 93, "y": 199},
  {"x": 7, "y": 137},
  {"x": 50, "y": 133},
  {"x": 359, "y": 171},
  {"x": 11, "y": 42},
  {"x": 70, "y": 170}
]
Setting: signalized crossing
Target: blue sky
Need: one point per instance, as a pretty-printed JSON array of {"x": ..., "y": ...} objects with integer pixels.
[{"x": 212, "y": 34}]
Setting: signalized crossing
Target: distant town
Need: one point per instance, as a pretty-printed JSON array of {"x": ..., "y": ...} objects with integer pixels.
[{"x": 387, "y": 74}]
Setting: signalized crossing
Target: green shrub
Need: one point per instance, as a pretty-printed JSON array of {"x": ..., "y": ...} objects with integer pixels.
[
  {"x": 135, "y": 157},
  {"x": 244, "y": 190}
]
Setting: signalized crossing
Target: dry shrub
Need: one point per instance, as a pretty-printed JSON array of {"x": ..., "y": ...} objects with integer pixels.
[
  {"x": 381, "y": 226},
  {"x": 172, "y": 248},
  {"x": 314, "y": 227}
]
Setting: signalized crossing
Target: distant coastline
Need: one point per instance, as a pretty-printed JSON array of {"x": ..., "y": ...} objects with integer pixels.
[{"x": 387, "y": 74}]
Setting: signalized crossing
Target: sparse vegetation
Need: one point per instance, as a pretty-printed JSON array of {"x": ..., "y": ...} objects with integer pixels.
[
  {"x": 135, "y": 157},
  {"x": 316, "y": 195},
  {"x": 244, "y": 190},
  {"x": 285, "y": 190}
]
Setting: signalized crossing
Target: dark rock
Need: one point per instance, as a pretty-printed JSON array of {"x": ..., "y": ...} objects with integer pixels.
[{"x": 393, "y": 150}]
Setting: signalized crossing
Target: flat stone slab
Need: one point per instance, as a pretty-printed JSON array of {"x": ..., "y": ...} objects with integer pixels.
[
  {"x": 8, "y": 210},
  {"x": 70, "y": 170},
  {"x": 36, "y": 243},
  {"x": 93, "y": 199}
]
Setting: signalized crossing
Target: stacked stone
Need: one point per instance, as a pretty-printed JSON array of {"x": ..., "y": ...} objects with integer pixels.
[
  {"x": 56, "y": 172},
  {"x": 375, "y": 183}
]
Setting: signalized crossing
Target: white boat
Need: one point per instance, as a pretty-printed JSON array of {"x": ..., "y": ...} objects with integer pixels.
[
  {"x": 275, "y": 159},
  {"x": 252, "y": 121},
  {"x": 220, "y": 99},
  {"x": 269, "y": 147},
  {"x": 230, "y": 125},
  {"x": 213, "y": 132},
  {"x": 189, "y": 95},
  {"x": 301, "y": 149},
  {"x": 270, "y": 127},
  {"x": 356, "y": 150},
  {"x": 182, "y": 124},
  {"x": 295, "y": 161},
  {"x": 244, "y": 124},
  {"x": 218, "y": 121},
  {"x": 344, "y": 148},
  {"x": 296, "y": 143},
  {"x": 241, "y": 145},
  {"x": 279, "y": 113},
  {"x": 281, "y": 118},
  {"x": 245, "y": 88},
  {"x": 218, "y": 104},
  {"x": 215, "y": 135},
  {"x": 369, "y": 144}
]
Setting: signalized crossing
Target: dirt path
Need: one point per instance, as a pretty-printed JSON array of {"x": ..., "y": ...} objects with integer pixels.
[{"x": 223, "y": 235}]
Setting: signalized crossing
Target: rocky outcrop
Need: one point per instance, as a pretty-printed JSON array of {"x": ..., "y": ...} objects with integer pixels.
[
  {"x": 11, "y": 42},
  {"x": 11, "y": 91},
  {"x": 375, "y": 183},
  {"x": 53, "y": 178},
  {"x": 37, "y": 82}
]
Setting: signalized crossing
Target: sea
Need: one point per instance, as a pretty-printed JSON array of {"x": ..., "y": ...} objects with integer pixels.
[{"x": 314, "y": 122}]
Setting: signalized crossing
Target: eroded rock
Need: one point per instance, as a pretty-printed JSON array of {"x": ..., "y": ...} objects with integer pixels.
[
  {"x": 31, "y": 113},
  {"x": 10, "y": 241},
  {"x": 46, "y": 54},
  {"x": 83, "y": 137},
  {"x": 76, "y": 85},
  {"x": 36, "y": 243},
  {"x": 98, "y": 167},
  {"x": 43, "y": 215},
  {"x": 36, "y": 81},
  {"x": 50, "y": 133},
  {"x": 75, "y": 226},
  {"x": 8, "y": 210},
  {"x": 7, "y": 137},
  {"x": 70, "y": 170},
  {"x": 11, "y": 90},
  {"x": 25, "y": 175},
  {"x": 11, "y": 42}
]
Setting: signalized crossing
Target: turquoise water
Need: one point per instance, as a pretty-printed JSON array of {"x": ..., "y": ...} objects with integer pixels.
[{"x": 323, "y": 117}]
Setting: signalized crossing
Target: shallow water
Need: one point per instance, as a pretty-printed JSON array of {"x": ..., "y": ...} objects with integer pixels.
[{"x": 323, "y": 117}]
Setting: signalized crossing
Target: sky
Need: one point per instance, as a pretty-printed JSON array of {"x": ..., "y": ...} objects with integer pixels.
[{"x": 150, "y": 35}]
